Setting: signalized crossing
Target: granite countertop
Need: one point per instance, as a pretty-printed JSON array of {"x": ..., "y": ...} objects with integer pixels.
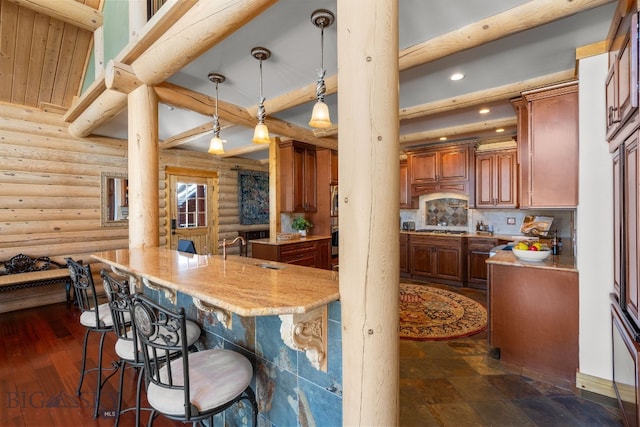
[
  {"x": 271, "y": 241},
  {"x": 563, "y": 261},
  {"x": 245, "y": 286}
]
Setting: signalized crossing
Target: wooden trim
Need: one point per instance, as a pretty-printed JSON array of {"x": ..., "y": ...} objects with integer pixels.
[{"x": 175, "y": 170}]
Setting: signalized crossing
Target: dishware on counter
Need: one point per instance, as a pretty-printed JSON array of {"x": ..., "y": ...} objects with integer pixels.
[{"x": 540, "y": 255}]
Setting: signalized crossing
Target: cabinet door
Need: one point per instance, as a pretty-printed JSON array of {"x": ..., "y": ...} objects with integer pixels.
[
  {"x": 484, "y": 180},
  {"x": 404, "y": 255},
  {"x": 627, "y": 73},
  {"x": 505, "y": 180},
  {"x": 309, "y": 183},
  {"x": 453, "y": 165},
  {"x": 449, "y": 263},
  {"x": 405, "y": 187},
  {"x": 617, "y": 221},
  {"x": 423, "y": 260},
  {"x": 631, "y": 226},
  {"x": 553, "y": 138},
  {"x": 423, "y": 167},
  {"x": 611, "y": 94},
  {"x": 523, "y": 153}
]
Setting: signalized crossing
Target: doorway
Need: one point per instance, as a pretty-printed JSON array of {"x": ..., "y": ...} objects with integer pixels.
[{"x": 192, "y": 209}]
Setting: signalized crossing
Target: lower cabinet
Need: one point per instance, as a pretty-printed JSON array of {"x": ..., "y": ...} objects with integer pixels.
[
  {"x": 404, "y": 256},
  {"x": 625, "y": 355},
  {"x": 436, "y": 258},
  {"x": 478, "y": 250},
  {"x": 309, "y": 253}
]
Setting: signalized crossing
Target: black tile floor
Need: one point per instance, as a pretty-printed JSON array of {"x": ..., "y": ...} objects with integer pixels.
[{"x": 454, "y": 383}]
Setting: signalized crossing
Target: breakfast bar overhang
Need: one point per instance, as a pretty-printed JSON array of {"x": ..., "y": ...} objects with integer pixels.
[{"x": 245, "y": 286}]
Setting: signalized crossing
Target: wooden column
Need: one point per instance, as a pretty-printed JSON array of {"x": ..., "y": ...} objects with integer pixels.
[
  {"x": 369, "y": 209},
  {"x": 143, "y": 168}
]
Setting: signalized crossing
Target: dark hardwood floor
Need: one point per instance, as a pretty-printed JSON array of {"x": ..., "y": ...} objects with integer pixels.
[
  {"x": 40, "y": 357},
  {"x": 442, "y": 383}
]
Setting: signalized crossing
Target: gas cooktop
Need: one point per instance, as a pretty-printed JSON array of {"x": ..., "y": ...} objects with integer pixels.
[{"x": 426, "y": 230}]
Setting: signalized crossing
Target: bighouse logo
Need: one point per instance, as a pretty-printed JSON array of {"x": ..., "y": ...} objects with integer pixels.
[{"x": 39, "y": 399}]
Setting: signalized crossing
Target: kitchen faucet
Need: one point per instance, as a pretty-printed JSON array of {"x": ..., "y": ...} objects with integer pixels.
[{"x": 224, "y": 245}]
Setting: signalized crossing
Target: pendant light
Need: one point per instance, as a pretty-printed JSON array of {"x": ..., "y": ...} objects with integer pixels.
[
  {"x": 321, "y": 18},
  {"x": 261, "y": 133},
  {"x": 215, "y": 147}
]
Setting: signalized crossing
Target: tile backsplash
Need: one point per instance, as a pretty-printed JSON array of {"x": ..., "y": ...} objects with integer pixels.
[{"x": 446, "y": 212}]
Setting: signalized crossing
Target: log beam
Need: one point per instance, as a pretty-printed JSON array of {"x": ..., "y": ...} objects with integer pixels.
[
  {"x": 184, "y": 98},
  {"x": 69, "y": 11},
  {"x": 120, "y": 77},
  {"x": 203, "y": 26},
  {"x": 457, "y": 131}
]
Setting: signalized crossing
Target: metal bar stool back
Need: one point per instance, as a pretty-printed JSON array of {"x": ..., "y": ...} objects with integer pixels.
[
  {"x": 94, "y": 317},
  {"x": 191, "y": 386}
]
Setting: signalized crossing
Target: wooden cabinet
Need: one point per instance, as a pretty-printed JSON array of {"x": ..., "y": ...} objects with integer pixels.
[
  {"x": 478, "y": 249},
  {"x": 445, "y": 168},
  {"x": 625, "y": 355},
  {"x": 621, "y": 86},
  {"x": 404, "y": 255},
  {"x": 298, "y": 180},
  {"x": 405, "y": 187},
  {"x": 631, "y": 227},
  {"x": 533, "y": 320},
  {"x": 618, "y": 208},
  {"x": 436, "y": 258},
  {"x": 496, "y": 178},
  {"x": 549, "y": 154},
  {"x": 310, "y": 253}
]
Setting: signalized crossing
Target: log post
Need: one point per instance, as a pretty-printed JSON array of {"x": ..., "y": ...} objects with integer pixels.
[
  {"x": 143, "y": 168},
  {"x": 369, "y": 210}
]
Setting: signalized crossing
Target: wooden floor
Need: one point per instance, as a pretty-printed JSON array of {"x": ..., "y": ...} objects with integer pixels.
[{"x": 40, "y": 355}]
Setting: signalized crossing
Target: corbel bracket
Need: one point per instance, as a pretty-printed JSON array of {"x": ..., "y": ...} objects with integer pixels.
[
  {"x": 223, "y": 316},
  {"x": 171, "y": 295},
  {"x": 307, "y": 332}
]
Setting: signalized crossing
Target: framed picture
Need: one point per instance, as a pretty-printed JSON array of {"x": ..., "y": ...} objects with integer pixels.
[{"x": 536, "y": 225}]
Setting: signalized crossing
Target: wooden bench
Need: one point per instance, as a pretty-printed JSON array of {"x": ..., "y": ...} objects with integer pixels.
[{"x": 24, "y": 272}]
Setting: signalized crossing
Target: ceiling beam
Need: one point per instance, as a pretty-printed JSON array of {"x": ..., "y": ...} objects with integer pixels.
[
  {"x": 180, "y": 97},
  {"x": 187, "y": 136},
  {"x": 251, "y": 148},
  {"x": 68, "y": 11},
  {"x": 529, "y": 15},
  {"x": 485, "y": 96},
  {"x": 521, "y": 18},
  {"x": 469, "y": 129},
  {"x": 196, "y": 31}
]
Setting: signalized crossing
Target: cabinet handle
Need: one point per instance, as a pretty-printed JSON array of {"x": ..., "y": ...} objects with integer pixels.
[{"x": 612, "y": 111}]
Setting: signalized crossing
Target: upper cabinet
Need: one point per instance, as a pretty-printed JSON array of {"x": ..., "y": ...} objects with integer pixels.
[
  {"x": 405, "y": 187},
  {"x": 548, "y": 155},
  {"x": 622, "y": 80},
  {"x": 442, "y": 168},
  {"x": 496, "y": 179},
  {"x": 298, "y": 180}
]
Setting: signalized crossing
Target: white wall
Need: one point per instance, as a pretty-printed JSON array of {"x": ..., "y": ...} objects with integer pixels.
[{"x": 594, "y": 222}]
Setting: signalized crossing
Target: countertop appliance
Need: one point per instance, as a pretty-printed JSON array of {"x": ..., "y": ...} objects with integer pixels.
[{"x": 408, "y": 226}]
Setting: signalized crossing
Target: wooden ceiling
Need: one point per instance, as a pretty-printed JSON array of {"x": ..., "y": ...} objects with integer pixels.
[{"x": 43, "y": 58}]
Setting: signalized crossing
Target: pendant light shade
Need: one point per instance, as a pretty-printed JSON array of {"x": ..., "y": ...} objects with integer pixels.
[
  {"x": 321, "y": 18},
  {"x": 215, "y": 146},
  {"x": 261, "y": 133}
]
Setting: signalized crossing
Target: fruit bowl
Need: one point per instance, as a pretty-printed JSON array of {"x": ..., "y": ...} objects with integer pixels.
[{"x": 531, "y": 255}]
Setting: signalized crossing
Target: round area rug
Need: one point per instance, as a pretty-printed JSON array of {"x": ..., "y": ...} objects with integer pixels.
[{"x": 428, "y": 313}]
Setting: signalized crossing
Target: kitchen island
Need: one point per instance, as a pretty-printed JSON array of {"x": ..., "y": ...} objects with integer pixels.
[
  {"x": 533, "y": 315},
  {"x": 268, "y": 311},
  {"x": 310, "y": 251}
]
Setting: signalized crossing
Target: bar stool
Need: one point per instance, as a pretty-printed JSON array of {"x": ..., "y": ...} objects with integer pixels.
[
  {"x": 192, "y": 386},
  {"x": 127, "y": 346},
  {"x": 94, "y": 317}
]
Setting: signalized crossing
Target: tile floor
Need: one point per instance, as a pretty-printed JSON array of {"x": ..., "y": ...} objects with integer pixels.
[{"x": 453, "y": 383}]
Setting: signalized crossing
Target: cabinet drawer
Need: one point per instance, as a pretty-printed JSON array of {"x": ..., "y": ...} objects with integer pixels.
[{"x": 289, "y": 250}]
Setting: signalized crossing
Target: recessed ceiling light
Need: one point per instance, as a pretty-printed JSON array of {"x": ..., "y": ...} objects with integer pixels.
[
  {"x": 456, "y": 76},
  {"x": 499, "y": 130},
  {"x": 484, "y": 111},
  {"x": 443, "y": 138}
]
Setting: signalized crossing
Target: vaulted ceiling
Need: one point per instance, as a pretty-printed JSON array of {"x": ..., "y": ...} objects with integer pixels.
[{"x": 502, "y": 46}]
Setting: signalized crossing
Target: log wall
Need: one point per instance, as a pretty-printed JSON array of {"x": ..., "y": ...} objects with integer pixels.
[{"x": 50, "y": 189}]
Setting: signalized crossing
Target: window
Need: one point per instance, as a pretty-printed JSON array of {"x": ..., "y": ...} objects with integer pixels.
[{"x": 192, "y": 205}]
